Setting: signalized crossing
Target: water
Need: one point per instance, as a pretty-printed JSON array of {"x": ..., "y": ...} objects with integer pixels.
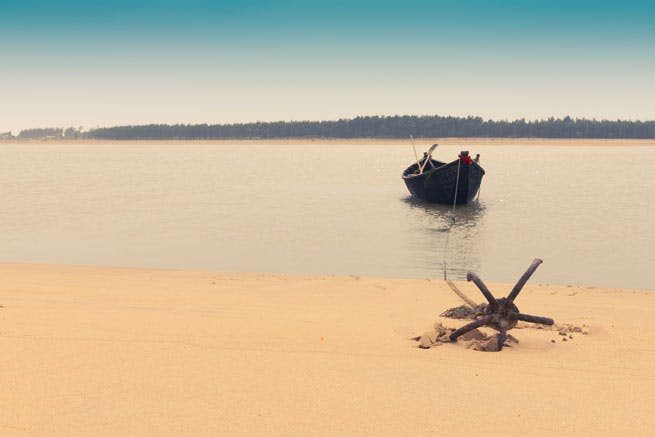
[{"x": 331, "y": 209}]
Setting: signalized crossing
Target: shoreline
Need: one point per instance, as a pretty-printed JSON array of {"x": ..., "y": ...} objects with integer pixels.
[
  {"x": 131, "y": 351},
  {"x": 419, "y": 142}
]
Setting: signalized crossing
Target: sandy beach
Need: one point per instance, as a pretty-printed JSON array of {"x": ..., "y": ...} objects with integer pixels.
[{"x": 119, "y": 351}]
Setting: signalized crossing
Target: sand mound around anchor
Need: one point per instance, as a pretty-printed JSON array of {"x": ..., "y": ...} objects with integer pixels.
[
  {"x": 464, "y": 312},
  {"x": 434, "y": 337},
  {"x": 475, "y": 339}
]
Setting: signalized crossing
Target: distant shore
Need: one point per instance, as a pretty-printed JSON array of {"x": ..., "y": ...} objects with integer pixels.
[
  {"x": 420, "y": 143},
  {"x": 121, "y": 351}
]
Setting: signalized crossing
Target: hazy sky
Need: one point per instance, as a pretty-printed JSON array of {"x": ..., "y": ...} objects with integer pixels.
[{"x": 100, "y": 63}]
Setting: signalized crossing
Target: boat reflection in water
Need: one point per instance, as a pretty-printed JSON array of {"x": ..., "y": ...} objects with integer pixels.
[{"x": 446, "y": 238}]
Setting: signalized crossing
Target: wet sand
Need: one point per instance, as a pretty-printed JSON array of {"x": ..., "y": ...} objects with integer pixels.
[{"x": 119, "y": 351}]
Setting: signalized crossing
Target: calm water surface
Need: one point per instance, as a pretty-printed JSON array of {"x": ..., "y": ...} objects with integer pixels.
[{"x": 586, "y": 211}]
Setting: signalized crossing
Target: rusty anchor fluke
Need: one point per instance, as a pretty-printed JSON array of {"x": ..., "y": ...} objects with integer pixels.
[{"x": 501, "y": 314}]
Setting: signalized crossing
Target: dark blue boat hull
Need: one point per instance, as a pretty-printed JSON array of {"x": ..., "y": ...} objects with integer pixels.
[{"x": 438, "y": 182}]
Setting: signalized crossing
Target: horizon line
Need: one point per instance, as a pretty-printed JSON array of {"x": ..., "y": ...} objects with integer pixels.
[{"x": 508, "y": 120}]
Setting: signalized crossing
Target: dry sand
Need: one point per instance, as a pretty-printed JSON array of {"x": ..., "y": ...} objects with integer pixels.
[{"x": 114, "y": 351}]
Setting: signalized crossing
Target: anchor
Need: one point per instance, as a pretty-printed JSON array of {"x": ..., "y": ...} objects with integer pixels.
[{"x": 501, "y": 314}]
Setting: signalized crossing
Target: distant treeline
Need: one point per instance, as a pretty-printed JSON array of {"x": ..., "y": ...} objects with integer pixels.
[
  {"x": 50, "y": 132},
  {"x": 373, "y": 127}
]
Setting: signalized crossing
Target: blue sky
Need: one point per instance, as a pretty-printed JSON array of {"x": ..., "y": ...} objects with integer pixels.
[{"x": 99, "y": 63}]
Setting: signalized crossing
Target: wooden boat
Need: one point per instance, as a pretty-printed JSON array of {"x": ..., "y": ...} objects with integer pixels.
[{"x": 455, "y": 182}]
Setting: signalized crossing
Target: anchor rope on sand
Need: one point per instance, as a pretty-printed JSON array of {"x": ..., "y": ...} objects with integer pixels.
[{"x": 461, "y": 295}]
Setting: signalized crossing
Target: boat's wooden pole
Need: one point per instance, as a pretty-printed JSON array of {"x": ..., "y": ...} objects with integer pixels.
[
  {"x": 427, "y": 158},
  {"x": 418, "y": 163}
]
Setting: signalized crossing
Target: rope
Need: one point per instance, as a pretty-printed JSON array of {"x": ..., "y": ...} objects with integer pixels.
[
  {"x": 445, "y": 249},
  {"x": 450, "y": 283},
  {"x": 452, "y": 222},
  {"x": 461, "y": 295},
  {"x": 480, "y": 188},
  {"x": 459, "y": 164}
]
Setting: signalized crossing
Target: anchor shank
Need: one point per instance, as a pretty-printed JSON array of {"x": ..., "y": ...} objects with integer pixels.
[
  {"x": 519, "y": 285},
  {"x": 502, "y": 336},
  {"x": 470, "y": 276}
]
